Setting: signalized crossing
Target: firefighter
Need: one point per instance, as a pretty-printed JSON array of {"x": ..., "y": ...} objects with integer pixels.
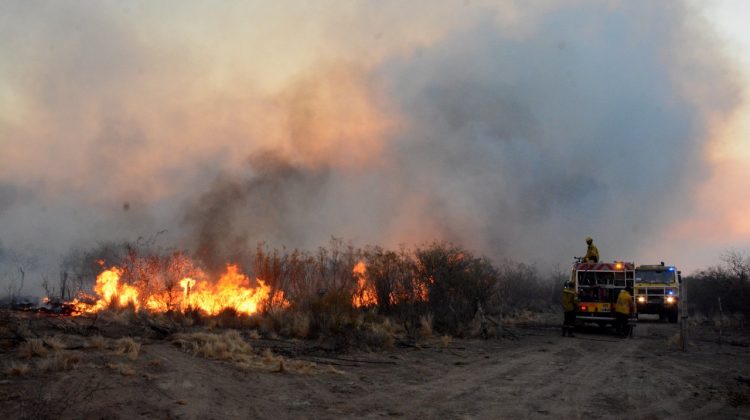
[
  {"x": 569, "y": 303},
  {"x": 624, "y": 308},
  {"x": 592, "y": 252}
]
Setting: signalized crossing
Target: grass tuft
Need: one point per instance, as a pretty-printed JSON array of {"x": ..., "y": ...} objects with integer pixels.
[
  {"x": 128, "y": 347},
  {"x": 33, "y": 347}
]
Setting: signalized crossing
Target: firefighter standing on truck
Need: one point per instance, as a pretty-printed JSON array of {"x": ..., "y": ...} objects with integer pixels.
[
  {"x": 592, "y": 252},
  {"x": 569, "y": 302},
  {"x": 624, "y": 308}
]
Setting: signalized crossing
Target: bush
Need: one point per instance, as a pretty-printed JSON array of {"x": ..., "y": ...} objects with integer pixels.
[
  {"x": 457, "y": 282},
  {"x": 728, "y": 281}
]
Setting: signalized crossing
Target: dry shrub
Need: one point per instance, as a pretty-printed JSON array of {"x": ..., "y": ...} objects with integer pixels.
[
  {"x": 333, "y": 369},
  {"x": 128, "y": 347},
  {"x": 376, "y": 336},
  {"x": 59, "y": 362},
  {"x": 425, "y": 326},
  {"x": 674, "y": 341},
  {"x": 300, "y": 325},
  {"x": 229, "y": 346},
  {"x": 121, "y": 368},
  {"x": 445, "y": 341},
  {"x": 287, "y": 323},
  {"x": 123, "y": 317},
  {"x": 230, "y": 318},
  {"x": 31, "y": 348},
  {"x": 96, "y": 342},
  {"x": 253, "y": 334},
  {"x": 457, "y": 283},
  {"x": 55, "y": 343},
  {"x": 17, "y": 369}
]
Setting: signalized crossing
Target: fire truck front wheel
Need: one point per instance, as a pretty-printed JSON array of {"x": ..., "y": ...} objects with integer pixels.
[{"x": 672, "y": 316}]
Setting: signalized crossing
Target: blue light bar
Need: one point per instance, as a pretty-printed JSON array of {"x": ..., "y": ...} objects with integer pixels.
[{"x": 671, "y": 268}]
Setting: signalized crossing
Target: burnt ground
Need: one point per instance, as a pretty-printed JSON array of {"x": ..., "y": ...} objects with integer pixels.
[{"x": 532, "y": 373}]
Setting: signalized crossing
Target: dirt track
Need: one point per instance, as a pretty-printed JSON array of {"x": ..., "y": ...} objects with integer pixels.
[{"x": 537, "y": 375}]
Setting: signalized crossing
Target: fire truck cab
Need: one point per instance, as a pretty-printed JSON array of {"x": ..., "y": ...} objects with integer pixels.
[
  {"x": 657, "y": 290},
  {"x": 597, "y": 286}
]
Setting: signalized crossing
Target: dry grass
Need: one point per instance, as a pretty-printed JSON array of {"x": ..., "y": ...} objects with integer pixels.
[
  {"x": 445, "y": 341},
  {"x": 17, "y": 369},
  {"x": 122, "y": 317},
  {"x": 55, "y": 343},
  {"x": 59, "y": 362},
  {"x": 128, "y": 347},
  {"x": 33, "y": 347},
  {"x": 121, "y": 368},
  {"x": 425, "y": 326},
  {"x": 376, "y": 336},
  {"x": 230, "y": 346},
  {"x": 96, "y": 342},
  {"x": 300, "y": 325}
]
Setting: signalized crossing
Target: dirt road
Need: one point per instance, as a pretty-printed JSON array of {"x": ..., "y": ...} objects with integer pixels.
[{"x": 537, "y": 375}]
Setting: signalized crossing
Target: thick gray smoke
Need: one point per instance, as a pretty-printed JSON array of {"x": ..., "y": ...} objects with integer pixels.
[
  {"x": 514, "y": 147},
  {"x": 515, "y": 130}
]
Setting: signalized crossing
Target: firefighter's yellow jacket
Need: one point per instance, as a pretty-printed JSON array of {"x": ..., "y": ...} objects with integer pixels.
[
  {"x": 592, "y": 254},
  {"x": 624, "y": 303},
  {"x": 569, "y": 300}
]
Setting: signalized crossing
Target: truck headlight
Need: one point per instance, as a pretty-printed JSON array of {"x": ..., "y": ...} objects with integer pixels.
[
  {"x": 641, "y": 299},
  {"x": 670, "y": 299}
]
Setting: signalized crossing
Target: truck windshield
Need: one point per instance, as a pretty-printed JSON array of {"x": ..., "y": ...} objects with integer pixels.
[{"x": 654, "y": 276}]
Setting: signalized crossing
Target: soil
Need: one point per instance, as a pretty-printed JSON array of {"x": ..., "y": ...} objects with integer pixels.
[{"x": 532, "y": 373}]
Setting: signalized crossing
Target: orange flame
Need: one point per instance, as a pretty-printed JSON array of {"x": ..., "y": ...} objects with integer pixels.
[
  {"x": 233, "y": 290},
  {"x": 365, "y": 294}
]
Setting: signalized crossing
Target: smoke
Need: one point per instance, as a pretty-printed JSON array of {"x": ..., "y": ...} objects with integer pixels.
[{"x": 514, "y": 129}]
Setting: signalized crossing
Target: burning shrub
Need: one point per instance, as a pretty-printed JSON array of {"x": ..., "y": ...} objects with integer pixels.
[{"x": 393, "y": 277}]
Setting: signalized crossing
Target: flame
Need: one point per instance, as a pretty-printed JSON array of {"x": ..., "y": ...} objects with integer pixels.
[
  {"x": 365, "y": 294},
  {"x": 232, "y": 291}
]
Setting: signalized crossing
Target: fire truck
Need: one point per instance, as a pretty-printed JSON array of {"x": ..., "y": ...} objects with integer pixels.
[
  {"x": 657, "y": 290},
  {"x": 597, "y": 286}
]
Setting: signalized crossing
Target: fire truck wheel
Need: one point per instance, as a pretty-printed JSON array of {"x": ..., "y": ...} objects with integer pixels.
[{"x": 672, "y": 316}]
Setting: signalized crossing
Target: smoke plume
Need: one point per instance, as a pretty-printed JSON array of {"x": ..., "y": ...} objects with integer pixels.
[{"x": 514, "y": 129}]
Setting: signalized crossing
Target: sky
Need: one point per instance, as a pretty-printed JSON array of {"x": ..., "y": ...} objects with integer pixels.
[{"x": 513, "y": 128}]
